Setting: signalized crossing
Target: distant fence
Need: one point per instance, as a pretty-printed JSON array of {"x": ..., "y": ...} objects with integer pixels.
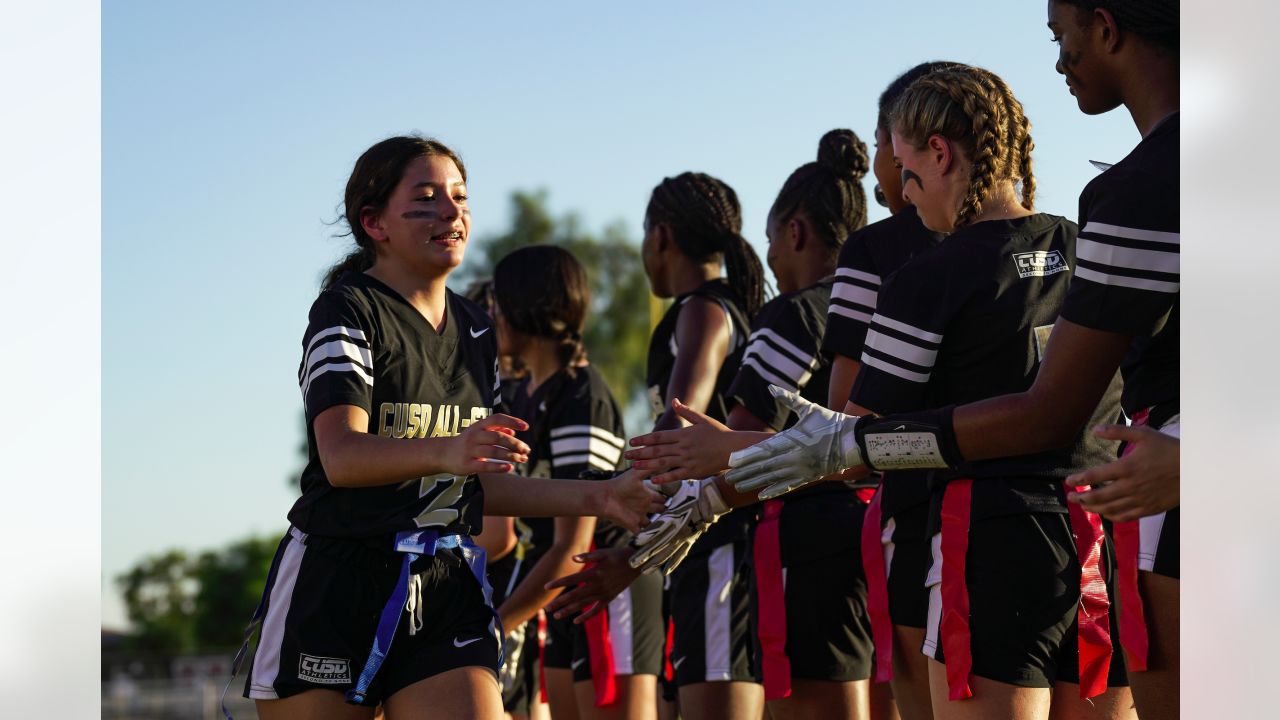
[{"x": 194, "y": 699}]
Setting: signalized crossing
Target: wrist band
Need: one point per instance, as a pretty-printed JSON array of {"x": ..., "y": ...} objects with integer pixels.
[{"x": 909, "y": 441}]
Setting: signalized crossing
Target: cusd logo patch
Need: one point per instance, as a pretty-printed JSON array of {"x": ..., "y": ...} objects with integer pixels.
[
  {"x": 324, "y": 669},
  {"x": 1039, "y": 263}
]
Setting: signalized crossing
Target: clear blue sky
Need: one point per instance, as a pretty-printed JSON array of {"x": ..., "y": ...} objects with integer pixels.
[{"x": 228, "y": 134}]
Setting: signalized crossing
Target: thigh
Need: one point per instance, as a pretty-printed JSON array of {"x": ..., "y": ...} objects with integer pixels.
[
  {"x": 721, "y": 700},
  {"x": 1114, "y": 704},
  {"x": 818, "y": 699},
  {"x": 910, "y": 674},
  {"x": 1156, "y": 690},
  {"x": 635, "y": 700},
  {"x": 560, "y": 694},
  {"x": 319, "y": 704},
  {"x": 466, "y": 692}
]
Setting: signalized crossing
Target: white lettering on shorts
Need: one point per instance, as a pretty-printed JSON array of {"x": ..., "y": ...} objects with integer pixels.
[
  {"x": 324, "y": 670},
  {"x": 1039, "y": 263}
]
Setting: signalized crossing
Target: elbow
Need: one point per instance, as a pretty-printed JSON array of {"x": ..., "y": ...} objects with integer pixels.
[{"x": 338, "y": 473}]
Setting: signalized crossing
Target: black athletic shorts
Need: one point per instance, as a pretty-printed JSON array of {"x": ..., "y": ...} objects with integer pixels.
[
  {"x": 323, "y": 613},
  {"x": 1023, "y": 580},
  {"x": 907, "y": 557},
  {"x": 712, "y": 604},
  {"x": 828, "y": 630},
  {"x": 635, "y": 634}
]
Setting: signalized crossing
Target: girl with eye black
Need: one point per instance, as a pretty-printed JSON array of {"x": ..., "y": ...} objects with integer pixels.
[{"x": 377, "y": 595}]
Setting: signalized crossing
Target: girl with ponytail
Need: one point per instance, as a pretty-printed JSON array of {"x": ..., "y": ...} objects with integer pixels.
[
  {"x": 377, "y": 594},
  {"x": 541, "y": 301}
]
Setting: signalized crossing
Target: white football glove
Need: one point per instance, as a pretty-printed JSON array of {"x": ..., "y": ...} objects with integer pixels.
[
  {"x": 667, "y": 538},
  {"x": 513, "y": 648},
  {"x": 821, "y": 443}
]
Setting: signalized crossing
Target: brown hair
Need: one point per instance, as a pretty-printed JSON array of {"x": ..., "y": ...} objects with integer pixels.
[
  {"x": 977, "y": 111},
  {"x": 375, "y": 176},
  {"x": 542, "y": 291}
]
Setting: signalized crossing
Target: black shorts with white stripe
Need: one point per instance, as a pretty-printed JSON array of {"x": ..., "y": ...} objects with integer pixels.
[
  {"x": 635, "y": 634},
  {"x": 713, "y": 608},
  {"x": 323, "y": 611},
  {"x": 1022, "y": 576}
]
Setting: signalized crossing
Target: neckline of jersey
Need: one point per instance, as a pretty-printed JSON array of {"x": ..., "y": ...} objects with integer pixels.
[{"x": 452, "y": 316}]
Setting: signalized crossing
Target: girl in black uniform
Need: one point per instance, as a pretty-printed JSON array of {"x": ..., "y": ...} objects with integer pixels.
[
  {"x": 398, "y": 378},
  {"x": 693, "y": 224},
  {"x": 894, "y": 543},
  {"x": 1017, "y": 602},
  {"x": 814, "y": 642},
  {"x": 575, "y": 425},
  {"x": 1121, "y": 313}
]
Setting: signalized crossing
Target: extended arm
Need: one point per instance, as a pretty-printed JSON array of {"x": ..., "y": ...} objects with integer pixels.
[{"x": 572, "y": 537}]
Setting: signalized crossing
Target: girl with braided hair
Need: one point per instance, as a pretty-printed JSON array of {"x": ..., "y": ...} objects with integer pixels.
[
  {"x": 693, "y": 226},
  {"x": 609, "y": 668}
]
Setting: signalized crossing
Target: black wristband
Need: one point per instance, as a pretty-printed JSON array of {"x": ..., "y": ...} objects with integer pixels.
[{"x": 909, "y": 441}]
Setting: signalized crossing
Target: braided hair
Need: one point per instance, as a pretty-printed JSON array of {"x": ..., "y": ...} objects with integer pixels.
[
  {"x": 975, "y": 109},
  {"x": 1152, "y": 20},
  {"x": 542, "y": 291},
  {"x": 829, "y": 191},
  {"x": 375, "y": 176},
  {"x": 902, "y": 82},
  {"x": 706, "y": 220}
]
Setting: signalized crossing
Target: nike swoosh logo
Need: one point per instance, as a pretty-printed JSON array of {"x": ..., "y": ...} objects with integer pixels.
[
  {"x": 465, "y": 643},
  {"x": 676, "y": 663},
  {"x": 574, "y": 665},
  {"x": 475, "y": 334},
  {"x": 900, "y": 427}
]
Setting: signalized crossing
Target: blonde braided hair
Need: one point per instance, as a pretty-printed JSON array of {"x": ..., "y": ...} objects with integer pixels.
[{"x": 977, "y": 111}]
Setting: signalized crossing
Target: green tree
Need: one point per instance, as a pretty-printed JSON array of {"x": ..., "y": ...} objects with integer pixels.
[
  {"x": 180, "y": 604},
  {"x": 617, "y": 335}
]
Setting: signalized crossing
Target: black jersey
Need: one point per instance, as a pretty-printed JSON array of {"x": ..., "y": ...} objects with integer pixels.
[
  {"x": 367, "y": 346},
  {"x": 868, "y": 257},
  {"x": 662, "y": 362},
  {"x": 575, "y": 424},
  {"x": 969, "y": 320},
  {"x": 1126, "y": 278},
  {"x": 783, "y": 350},
  {"x": 663, "y": 349}
]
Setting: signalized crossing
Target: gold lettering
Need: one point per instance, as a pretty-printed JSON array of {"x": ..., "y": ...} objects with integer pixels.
[
  {"x": 444, "y": 415},
  {"x": 402, "y": 419},
  {"x": 384, "y": 422},
  {"x": 415, "y": 419}
]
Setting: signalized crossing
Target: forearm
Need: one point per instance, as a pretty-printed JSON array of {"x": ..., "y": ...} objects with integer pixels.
[
  {"x": 506, "y": 494},
  {"x": 498, "y": 537},
  {"x": 844, "y": 371},
  {"x": 530, "y": 595},
  {"x": 358, "y": 459}
]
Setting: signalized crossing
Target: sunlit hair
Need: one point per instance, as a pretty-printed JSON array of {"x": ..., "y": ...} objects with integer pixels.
[
  {"x": 1153, "y": 20},
  {"x": 542, "y": 291},
  {"x": 705, "y": 218},
  {"x": 829, "y": 191},
  {"x": 375, "y": 176},
  {"x": 975, "y": 110}
]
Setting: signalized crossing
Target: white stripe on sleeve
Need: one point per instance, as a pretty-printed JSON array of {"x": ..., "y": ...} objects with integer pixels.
[
  {"x": 1130, "y": 233},
  {"x": 1125, "y": 257}
]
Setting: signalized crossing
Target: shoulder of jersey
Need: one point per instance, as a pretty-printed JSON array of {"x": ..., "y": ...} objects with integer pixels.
[{"x": 474, "y": 317}]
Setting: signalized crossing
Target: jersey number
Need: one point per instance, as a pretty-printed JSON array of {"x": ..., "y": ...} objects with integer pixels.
[{"x": 440, "y": 510}]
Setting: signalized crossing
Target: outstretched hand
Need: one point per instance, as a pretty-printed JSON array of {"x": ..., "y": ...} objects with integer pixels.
[
  {"x": 699, "y": 450},
  {"x": 1143, "y": 482},
  {"x": 821, "y": 443},
  {"x": 606, "y": 574},
  {"x": 488, "y": 445},
  {"x": 628, "y": 499}
]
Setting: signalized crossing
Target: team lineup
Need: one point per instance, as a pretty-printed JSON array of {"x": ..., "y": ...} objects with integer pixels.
[{"x": 935, "y": 476}]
